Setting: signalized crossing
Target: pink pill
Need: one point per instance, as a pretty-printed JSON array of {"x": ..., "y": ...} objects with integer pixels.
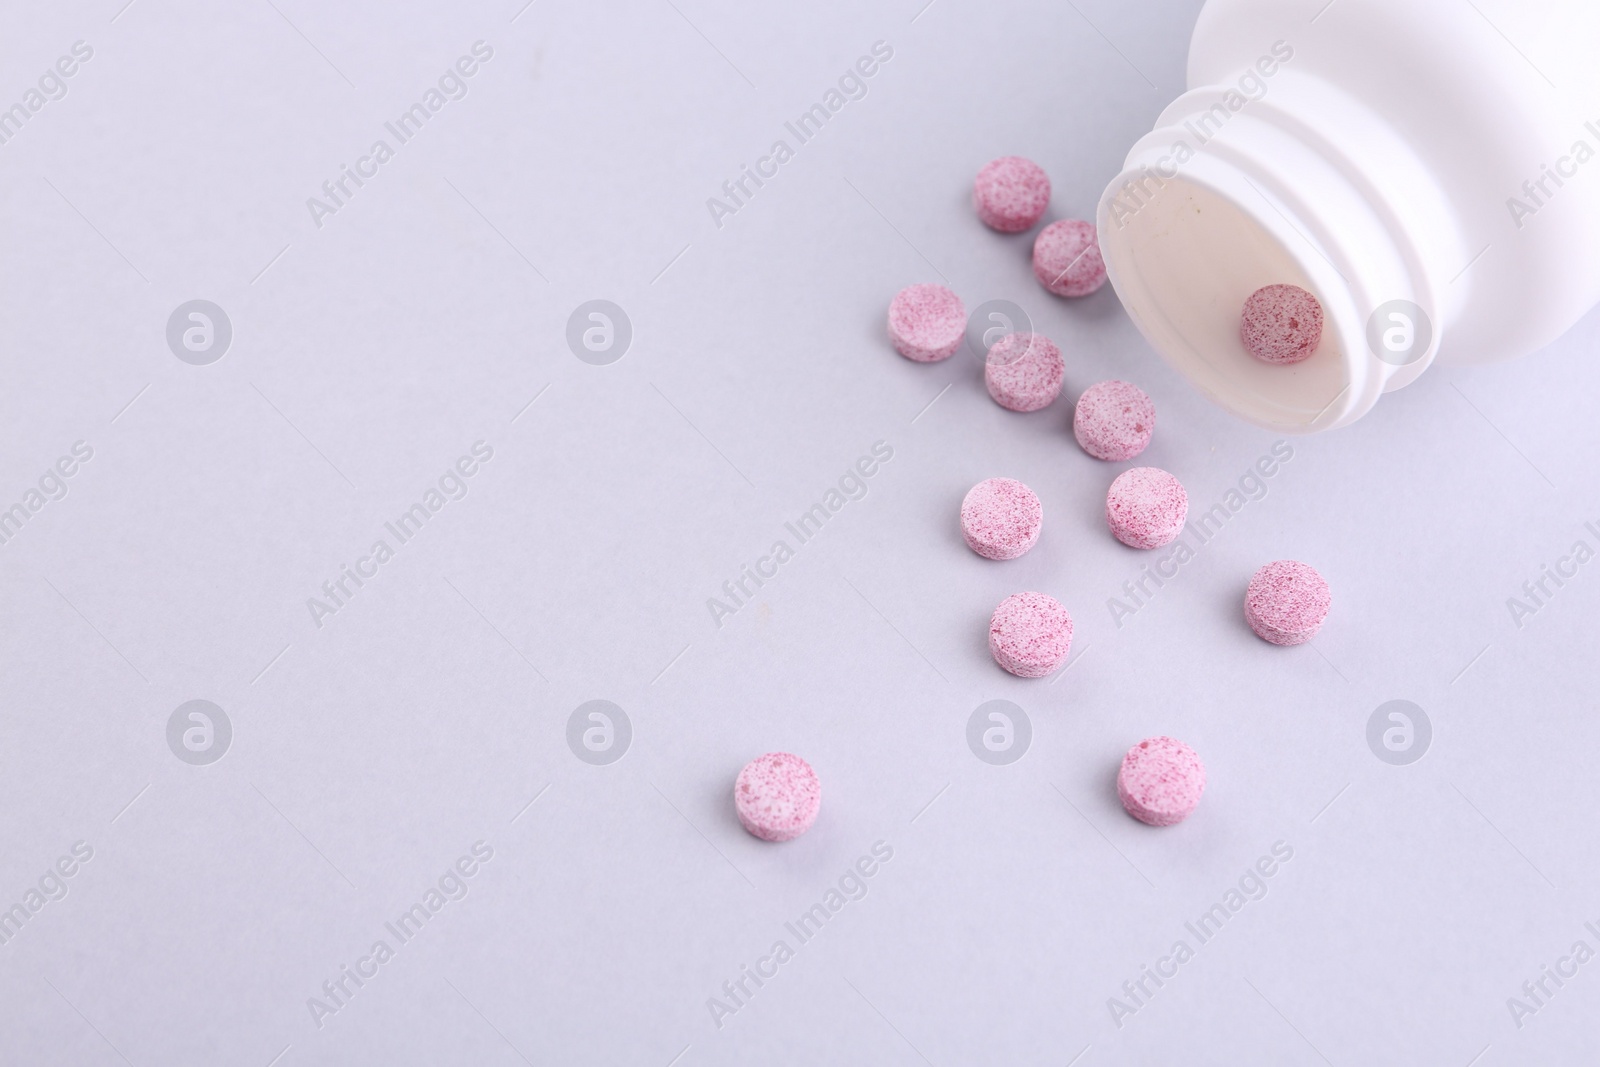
[
  {"x": 927, "y": 322},
  {"x": 1114, "y": 420},
  {"x": 1161, "y": 781},
  {"x": 1011, "y": 193},
  {"x": 1030, "y": 634},
  {"x": 777, "y": 796},
  {"x": 1286, "y": 602},
  {"x": 1146, "y": 507},
  {"x": 1024, "y": 371},
  {"x": 1281, "y": 324},
  {"x": 1001, "y": 518},
  {"x": 1066, "y": 258}
]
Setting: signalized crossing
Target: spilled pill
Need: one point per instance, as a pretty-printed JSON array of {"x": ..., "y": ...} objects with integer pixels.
[
  {"x": 777, "y": 796},
  {"x": 927, "y": 322},
  {"x": 1066, "y": 258},
  {"x": 1287, "y": 602},
  {"x": 1113, "y": 420},
  {"x": 1024, "y": 371},
  {"x": 1146, "y": 507},
  {"x": 1160, "y": 781},
  {"x": 1030, "y": 634},
  {"x": 1001, "y": 518},
  {"x": 1011, "y": 193}
]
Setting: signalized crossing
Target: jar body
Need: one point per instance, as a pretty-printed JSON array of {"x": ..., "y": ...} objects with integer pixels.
[{"x": 1429, "y": 169}]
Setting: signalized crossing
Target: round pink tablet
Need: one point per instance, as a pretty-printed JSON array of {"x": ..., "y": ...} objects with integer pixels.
[
  {"x": 1281, "y": 324},
  {"x": 1114, "y": 420},
  {"x": 777, "y": 796},
  {"x": 1066, "y": 258},
  {"x": 1024, "y": 371},
  {"x": 1011, "y": 193},
  {"x": 1030, "y": 634},
  {"x": 1146, "y": 507},
  {"x": 1001, "y": 518},
  {"x": 927, "y": 322},
  {"x": 1286, "y": 602},
  {"x": 1161, "y": 781}
]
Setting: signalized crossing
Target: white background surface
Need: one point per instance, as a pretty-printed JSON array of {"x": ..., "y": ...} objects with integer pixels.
[{"x": 369, "y": 753}]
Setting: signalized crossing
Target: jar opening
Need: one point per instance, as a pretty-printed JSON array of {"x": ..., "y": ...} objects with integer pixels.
[{"x": 1184, "y": 257}]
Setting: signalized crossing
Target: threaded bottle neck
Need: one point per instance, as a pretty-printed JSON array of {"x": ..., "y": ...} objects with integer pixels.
[{"x": 1230, "y": 194}]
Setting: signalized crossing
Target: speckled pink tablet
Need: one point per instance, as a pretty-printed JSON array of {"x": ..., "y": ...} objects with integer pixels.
[
  {"x": 1066, "y": 258},
  {"x": 1030, "y": 634},
  {"x": 1281, "y": 324},
  {"x": 777, "y": 796},
  {"x": 1161, "y": 781},
  {"x": 927, "y": 322},
  {"x": 1011, "y": 193},
  {"x": 1114, "y": 420},
  {"x": 1001, "y": 518},
  {"x": 1286, "y": 602},
  {"x": 1024, "y": 371},
  {"x": 1146, "y": 507}
]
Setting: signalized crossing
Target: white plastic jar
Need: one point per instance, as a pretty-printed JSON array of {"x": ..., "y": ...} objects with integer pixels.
[{"x": 1430, "y": 169}]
